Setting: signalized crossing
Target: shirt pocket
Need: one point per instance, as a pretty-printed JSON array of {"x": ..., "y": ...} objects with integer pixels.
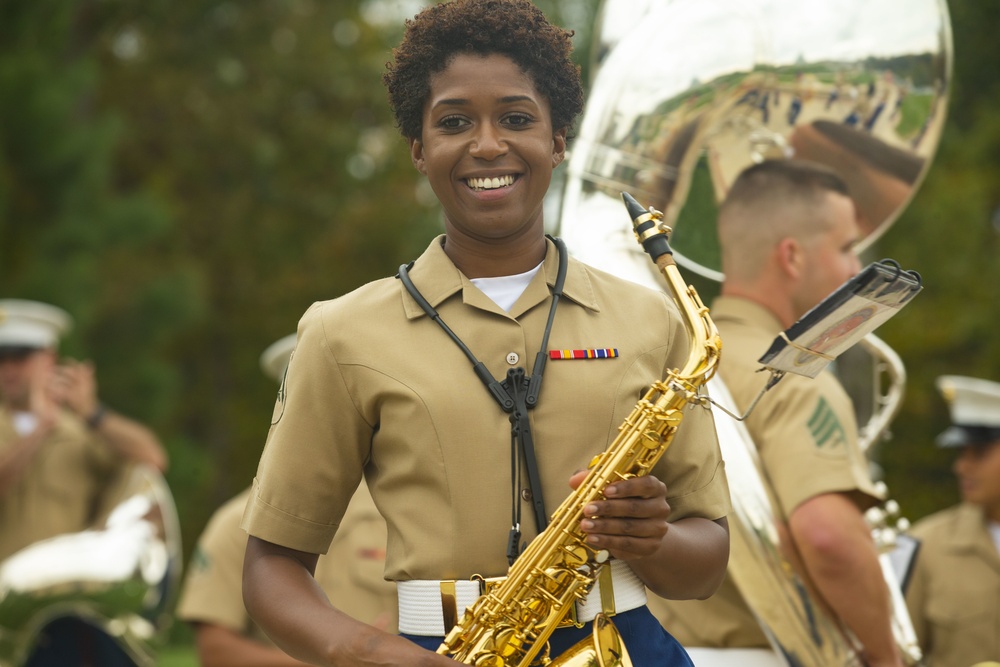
[{"x": 961, "y": 617}]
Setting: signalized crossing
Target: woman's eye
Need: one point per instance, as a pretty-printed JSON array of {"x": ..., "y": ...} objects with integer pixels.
[
  {"x": 452, "y": 122},
  {"x": 518, "y": 120}
]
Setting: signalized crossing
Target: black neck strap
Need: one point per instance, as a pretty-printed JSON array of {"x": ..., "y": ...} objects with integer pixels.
[{"x": 516, "y": 395}]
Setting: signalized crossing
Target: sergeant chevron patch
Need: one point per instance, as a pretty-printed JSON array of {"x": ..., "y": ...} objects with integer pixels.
[{"x": 825, "y": 427}]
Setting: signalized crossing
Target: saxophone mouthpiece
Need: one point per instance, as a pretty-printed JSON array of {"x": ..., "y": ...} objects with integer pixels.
[
  {"x": 635, "y": 209},
  {"x": 647, "y": 231}
]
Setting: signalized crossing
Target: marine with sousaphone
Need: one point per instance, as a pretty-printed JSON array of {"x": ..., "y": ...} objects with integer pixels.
[{"x": 684, "y": 96}]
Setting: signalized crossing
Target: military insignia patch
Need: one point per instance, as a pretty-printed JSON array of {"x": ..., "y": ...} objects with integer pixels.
[
  {"x": 279, "y": 404},
  {"x": 200, "y": 560},
  {"x": 825, "y": 428}
]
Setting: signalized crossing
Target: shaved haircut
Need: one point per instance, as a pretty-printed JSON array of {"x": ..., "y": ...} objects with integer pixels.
[{"x": 768, "y": 202}]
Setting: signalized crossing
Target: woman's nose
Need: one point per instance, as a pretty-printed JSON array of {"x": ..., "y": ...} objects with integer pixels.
[{"x": 488, "y": 143}]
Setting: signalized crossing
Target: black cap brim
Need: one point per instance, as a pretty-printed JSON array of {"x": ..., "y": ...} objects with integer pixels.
[
  {"x": 963, "y": 436},
  {"x": 17, "y": 350}
]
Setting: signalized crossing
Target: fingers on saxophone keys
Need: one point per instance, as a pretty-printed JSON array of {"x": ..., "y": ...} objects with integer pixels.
[
  {"x": 625, "y": 546},
  {"x": 646, "y": 486},
  {"x": 628, "y": 508},
  {"x": 600, "y": 530}
]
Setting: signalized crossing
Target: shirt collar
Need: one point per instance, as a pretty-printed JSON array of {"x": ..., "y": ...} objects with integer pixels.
[
  {"x": 739, "y": 309},
  {"x": 437, "y": 278}
]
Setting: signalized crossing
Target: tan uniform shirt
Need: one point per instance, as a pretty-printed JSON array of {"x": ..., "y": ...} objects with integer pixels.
[
  {"x": 954, "y": 591},
  {"x": 60, "y": 490},
  {"x": 806, "y": 434},
  {"x": 375, "y": 386},
  {"x": 351, "y": 573}
]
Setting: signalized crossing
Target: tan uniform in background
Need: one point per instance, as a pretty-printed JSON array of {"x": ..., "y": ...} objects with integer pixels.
[
  {"x": 954, "y": 591},
  {"x": 351, "y": 573},
  {"x": 806, "y": 434},
  {"x": 409, "y": 411},
  {"x": 64, "y": 459},
  {"x": 61, "y": 492}
]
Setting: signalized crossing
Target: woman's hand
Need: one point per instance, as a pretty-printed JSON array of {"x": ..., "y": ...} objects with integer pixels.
[
  {"x": 631, "y": 520},
  {"x": 74, "y": 385}
]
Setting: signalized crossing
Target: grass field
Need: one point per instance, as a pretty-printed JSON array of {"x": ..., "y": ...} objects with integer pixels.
[{"x": 177, "y": 656}]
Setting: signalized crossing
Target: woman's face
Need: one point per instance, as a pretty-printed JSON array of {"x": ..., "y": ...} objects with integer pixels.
[{"x": 488, "y": 149}]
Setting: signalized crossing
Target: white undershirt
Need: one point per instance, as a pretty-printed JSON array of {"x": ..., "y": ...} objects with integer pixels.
[
  {"x": 995, "y": 533},
  {"x": 505, "y": 290}
]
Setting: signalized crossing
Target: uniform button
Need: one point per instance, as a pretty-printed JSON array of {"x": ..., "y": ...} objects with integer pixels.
[
  {"x": 526, "y": 494},
  {"x": 512, "y": 358}
]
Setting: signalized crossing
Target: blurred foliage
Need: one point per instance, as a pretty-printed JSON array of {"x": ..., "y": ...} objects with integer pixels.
[
  {"x": 186, "y": 177},
  {"x": 950, "y": 234},
  {"x": 263, "y": 127}
]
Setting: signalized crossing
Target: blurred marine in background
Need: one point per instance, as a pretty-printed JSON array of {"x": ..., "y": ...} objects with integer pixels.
[
  {"x": 787, "y": 230},
  {"x": 63, "y": 454},
  {"x": 954, "y": 591},
  {"x": 350, "y": 573}
]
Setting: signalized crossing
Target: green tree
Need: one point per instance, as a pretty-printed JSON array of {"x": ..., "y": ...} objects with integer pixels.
[
  {"x": 265, "y": 127},
  {"x": 69, "y": 233},
  {"x": 951, "y": 236}
]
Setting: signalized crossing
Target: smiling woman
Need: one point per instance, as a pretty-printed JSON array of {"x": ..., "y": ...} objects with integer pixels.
[
  {"x": 488, "y": 148},
  {"x": 380, "y": 389}
]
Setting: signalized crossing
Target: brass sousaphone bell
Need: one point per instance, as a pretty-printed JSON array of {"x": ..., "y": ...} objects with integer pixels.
[{"x": 684, "y": 95}]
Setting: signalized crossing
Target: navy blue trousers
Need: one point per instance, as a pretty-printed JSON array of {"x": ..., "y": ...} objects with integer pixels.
[
  {"x": 71, "y": 642},
  {"x": 648, "y": 644}
]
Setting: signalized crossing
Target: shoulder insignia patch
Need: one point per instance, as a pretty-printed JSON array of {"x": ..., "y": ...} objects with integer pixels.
[
  {"x": 200, "y": 560},
  {"x": 279, "y": 401},
  {"x": 825, "y": 428}
]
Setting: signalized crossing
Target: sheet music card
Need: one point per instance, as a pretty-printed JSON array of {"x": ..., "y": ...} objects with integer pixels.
[{"x": 854, "y": 310}]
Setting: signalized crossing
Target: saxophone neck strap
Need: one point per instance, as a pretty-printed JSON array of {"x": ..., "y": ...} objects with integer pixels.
[{"x": 516, "y": 395}]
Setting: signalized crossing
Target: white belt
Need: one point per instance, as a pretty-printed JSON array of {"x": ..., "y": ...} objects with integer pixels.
[
  {"x": 734, "y": 657},
  {"x": 423, "y": 603}
]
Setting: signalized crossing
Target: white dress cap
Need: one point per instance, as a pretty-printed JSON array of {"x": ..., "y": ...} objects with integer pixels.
[
  {"x": 31, "y": 324},
  {"x": 974, "y": 406},
  {"x": 275, "y": 358}
]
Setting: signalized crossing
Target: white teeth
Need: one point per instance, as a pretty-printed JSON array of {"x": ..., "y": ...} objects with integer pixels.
[{"x": 489, "y": 183}]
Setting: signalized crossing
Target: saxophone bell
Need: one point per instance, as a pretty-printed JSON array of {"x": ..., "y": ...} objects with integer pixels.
[{"x": 604, "y": 648}]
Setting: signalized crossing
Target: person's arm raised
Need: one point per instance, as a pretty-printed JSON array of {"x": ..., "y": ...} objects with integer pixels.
[
  {"x": 75, "y": 385},
  {"x": 18, "y": 456}
]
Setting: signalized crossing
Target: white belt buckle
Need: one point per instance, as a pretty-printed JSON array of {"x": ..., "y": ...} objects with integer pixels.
[
  {"x": 427, "y": 607},
  {"x": 627, "y": 593}
]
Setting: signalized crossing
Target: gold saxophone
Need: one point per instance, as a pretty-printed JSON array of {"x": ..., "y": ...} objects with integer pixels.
[{"x": 510, "y": 624}]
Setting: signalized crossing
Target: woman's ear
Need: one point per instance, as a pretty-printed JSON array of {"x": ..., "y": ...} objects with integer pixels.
[
  {"x": 558, "y": 147},
  {"x": 417, "y": 155}
]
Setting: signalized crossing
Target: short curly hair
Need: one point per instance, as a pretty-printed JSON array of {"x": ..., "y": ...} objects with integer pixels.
[{"x": 514, "y": 28}]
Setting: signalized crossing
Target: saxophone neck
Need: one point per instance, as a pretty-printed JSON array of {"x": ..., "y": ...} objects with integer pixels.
[{"x": 705, "y": 344}]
